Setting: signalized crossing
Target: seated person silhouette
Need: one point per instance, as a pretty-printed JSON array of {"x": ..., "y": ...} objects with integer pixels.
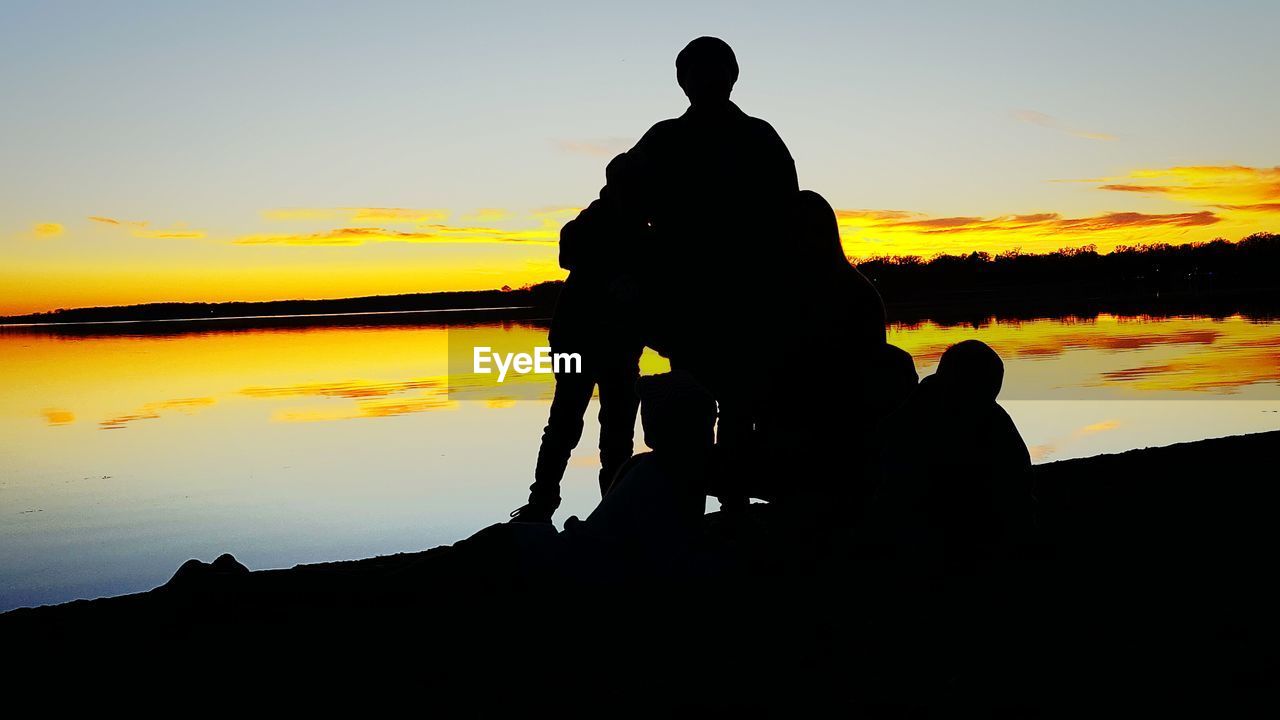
[
  {"x": 656, "y": 505},
  {"x": 817, "y": 256},
  {"x": 956, "y": 493},
  {"x": 831, "y": 378},
  {"x": 595, "y": 248},
  {"x": 701, "y": 182}
]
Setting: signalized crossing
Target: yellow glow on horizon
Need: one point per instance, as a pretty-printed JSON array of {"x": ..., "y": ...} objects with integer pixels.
[
  {"x": 1228, "y": 201},
  {"x": 870, "y": 233},
  {"x": 1232, "y": 187},
  {"x": 87, "y": 285}
]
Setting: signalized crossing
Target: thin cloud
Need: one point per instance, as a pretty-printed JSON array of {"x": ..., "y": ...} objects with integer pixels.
[
  {"x": 1225, "y": 193},
  {"x": 350, "y": 389},
  {"x": 170, "y": 234},
  {"x": 300, "y": 214},
  {"x": 1061, "y": 340},
  {"x": 1226, "y": 369},
  {"x": 48, "y": 229},
  {"x": 1228, "y": 187},
  {"x": 431, "y": 234},
  {"x": 399, "y": 215},
  {"x": 1036, "y": 229},
  {"x": 595, "y": 147},
  {"x": 487, "y": 215},
  {"x": 1041, "y": 452},
  {"x": 1101, "y": 426},
  {"x": 58, "y": 416},
  {"x": 392, "y": 215},
  {"x": 1037, "y": 224},
  {"x": 152, "y": 410},
  {"x": 1264, "y": 208},
  {"x": 545, "y": 232},
  {"x": 372, "y": 398},
  {"x": 855, "y": 215},
  {"x": 142, "y": 229},
  {"x": 368, "y": 409},
  {"x": 1040, "y": 119}
]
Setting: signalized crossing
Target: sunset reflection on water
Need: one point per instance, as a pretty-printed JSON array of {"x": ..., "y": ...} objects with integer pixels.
[{"x": 127, "y": 454}]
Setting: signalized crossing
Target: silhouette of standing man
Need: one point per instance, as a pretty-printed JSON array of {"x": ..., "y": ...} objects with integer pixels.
[
  {"x": 708, "y": 182},
  {"x": 713, "y": 185},
  {"x": 704, "y": 190}
]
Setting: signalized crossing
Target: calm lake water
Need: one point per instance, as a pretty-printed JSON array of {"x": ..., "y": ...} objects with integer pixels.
[{"x": 125, "y": 455}]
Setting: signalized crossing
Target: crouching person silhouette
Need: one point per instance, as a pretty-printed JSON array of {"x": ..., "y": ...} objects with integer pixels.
[
  {"x": 656, "y": 505},
  {"x": 956, "y": 496},
  {"x": 951, "y": 535},
  {"x": 595, "y": 248}
]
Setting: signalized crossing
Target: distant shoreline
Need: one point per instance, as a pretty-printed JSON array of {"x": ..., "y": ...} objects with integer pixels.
[
  {"x": 492, "y": 302},
  {"x": 536, "y": 305},
  {"x": 257, "y": 317},
  {"x": 1215, "y": 278}
]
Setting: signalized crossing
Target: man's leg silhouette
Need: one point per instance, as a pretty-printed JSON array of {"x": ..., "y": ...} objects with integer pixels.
[
  {"x": 561, "y": 435},
  {"x": 619, "y": 405}
]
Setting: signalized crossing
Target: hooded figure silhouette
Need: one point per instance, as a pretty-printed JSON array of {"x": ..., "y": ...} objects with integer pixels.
[{"x": 956, "y": 493}]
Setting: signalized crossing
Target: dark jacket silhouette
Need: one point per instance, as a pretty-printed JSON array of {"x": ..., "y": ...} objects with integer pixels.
[
  {"x": 597, "y": 248},
  {"x": 827, "y": 322},
  {"x": 708, "y": 183},
  {"x": 705, "y": 183},
  {"x": 956, "y": 492}
]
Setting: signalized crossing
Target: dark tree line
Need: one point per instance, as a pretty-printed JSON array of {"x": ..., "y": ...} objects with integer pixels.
[
  {"x": 1216, "y": 277},
  {"x": 1250, "y": 263},
  {"x": 541, "y": 296}
]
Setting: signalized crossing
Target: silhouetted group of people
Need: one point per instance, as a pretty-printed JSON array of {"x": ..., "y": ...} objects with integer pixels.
[{"x": 783, "y": 387}]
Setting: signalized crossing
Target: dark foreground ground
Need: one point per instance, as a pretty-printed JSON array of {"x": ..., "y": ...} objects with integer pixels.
[{"x": 1152, "y": 588}]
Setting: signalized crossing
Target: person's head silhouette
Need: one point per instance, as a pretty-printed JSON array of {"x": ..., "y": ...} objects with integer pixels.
[
  {"x": 973, "y": 369},
  {"x": 706, "y": 70},
  {"x": 819, "y": 243}
]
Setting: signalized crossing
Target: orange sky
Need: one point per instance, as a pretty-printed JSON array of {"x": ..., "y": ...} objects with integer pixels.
[
  {"x": 1198, "y": 203},
  {"x": 352, "y": 251}
]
